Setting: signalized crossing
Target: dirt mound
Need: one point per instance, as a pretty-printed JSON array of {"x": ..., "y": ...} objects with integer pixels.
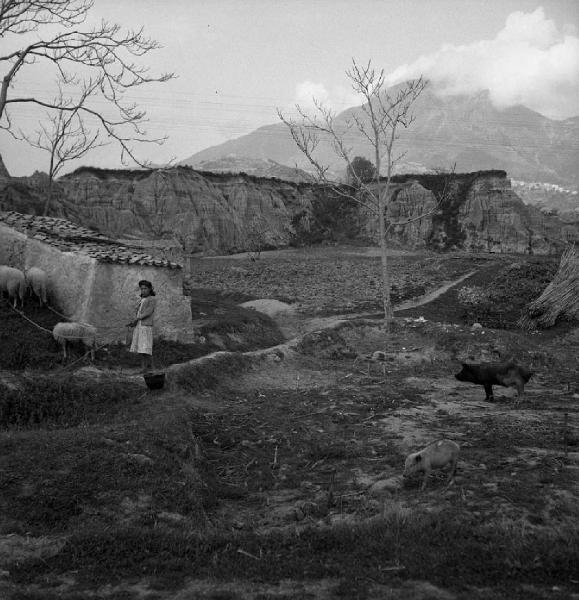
[
  {"x": 269, "y": 306},
  {"x": 326, "y": 343}
]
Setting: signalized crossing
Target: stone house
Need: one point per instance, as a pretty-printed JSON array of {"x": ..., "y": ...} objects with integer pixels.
[{"x": 95, "y": 279}]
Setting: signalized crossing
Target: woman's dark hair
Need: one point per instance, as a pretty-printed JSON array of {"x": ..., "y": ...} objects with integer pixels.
[{"x": 147, "y": 284}]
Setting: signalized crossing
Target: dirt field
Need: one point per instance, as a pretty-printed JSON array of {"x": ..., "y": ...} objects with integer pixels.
[{"x": 278, "y": 474}]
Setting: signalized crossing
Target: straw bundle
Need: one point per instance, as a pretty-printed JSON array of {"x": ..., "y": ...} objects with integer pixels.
[{"x": 560, "y": 298}]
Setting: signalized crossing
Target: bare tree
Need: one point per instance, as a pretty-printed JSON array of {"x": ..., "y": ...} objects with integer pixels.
[
  {"x": 64, "y": 135},
  {"x": 160, "y": 195},
  {"x": 160, "y": 227},
  {"x": 101, "y": 58},
  {"x": 383, "y": 113}
]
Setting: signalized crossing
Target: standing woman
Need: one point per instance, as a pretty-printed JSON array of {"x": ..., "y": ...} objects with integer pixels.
[{"x": 143, "y": 334}]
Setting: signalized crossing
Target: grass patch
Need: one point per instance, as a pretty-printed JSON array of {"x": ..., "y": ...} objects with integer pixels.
[
  {"x": 226, "y": 326},
  {"x": 209, "y": 373},
  {"x": 45, "y": 401},
  {"x": 24, "y": 345},
  {"x": 513, "y": 287},
  {"x": 78, "y": 478},
  {"x": 165, "y": 352},
  {"x": 445, "y": 549},
  {"x": 498, "y": 293},
  {"x": 495, "y": 432}
]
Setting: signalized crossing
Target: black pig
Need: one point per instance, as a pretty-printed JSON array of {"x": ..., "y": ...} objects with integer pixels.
[{"x": 489, "y": 374}]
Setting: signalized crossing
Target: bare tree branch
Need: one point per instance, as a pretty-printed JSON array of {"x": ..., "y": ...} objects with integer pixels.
[
  {"x": 64, "y": 134},
  {"x": 383, "y": 113},
  {"x": 104, "y": 59}
]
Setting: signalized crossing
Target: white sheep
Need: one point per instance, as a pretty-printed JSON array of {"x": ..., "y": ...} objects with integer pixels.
[
  {"x": 64, "y": 333},
  {"x": 37, "y": 282},
  {"x": 13, "y": 282}
]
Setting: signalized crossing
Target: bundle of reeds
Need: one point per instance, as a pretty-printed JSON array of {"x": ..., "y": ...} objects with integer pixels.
[{"x": 560, "y": 298}]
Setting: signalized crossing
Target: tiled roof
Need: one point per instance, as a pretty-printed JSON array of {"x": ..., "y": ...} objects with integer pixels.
[{"x": 68, "y": 237}]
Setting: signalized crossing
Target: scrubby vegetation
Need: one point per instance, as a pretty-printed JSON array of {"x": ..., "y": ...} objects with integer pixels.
[
  {"x": 496, "y": 295},
  {"x": 446, "y": 549},
  {"x": 45, "y": 401},
  {"x": 495, "y": 304}
]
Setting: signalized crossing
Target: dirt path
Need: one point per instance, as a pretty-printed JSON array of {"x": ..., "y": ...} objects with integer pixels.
[
  {"x": 292, "y": 325},
  {"x": 370, "y": 251},
  {"x": 416, "y": 302}
]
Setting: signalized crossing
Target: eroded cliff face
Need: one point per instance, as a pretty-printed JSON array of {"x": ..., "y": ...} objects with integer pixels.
[
  {"x": 472, "y": 211},
  {"x": 493, "y": 218},
  {"x": 225, "y": 213},
  {"x": 229, "y": 213}
]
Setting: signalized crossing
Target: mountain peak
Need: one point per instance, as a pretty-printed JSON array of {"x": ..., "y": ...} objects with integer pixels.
[{"x": 466, "y": 130}]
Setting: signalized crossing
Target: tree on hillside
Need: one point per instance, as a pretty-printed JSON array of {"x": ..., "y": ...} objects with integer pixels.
[
  {"x": 160, "y": 195},
  {"x": 103, "y": 59},
  {"x": 65, "y": 136},
  {"x": 361, "y": 169},
  {"x": 384, "y": 113}
]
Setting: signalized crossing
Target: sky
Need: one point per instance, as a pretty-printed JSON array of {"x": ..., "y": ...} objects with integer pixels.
[{"x": 236, "y": 61}]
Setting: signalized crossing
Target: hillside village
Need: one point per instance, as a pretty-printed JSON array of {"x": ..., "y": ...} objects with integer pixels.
[{"x": 332, "y": 356}]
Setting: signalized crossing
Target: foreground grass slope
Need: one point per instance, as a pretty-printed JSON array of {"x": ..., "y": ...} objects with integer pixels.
[{"x": 280, "y": 478}]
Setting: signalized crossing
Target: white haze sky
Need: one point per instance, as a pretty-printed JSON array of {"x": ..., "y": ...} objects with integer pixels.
[{"x": 237, "y": 61}]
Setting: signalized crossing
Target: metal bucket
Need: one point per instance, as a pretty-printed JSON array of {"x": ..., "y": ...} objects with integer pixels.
[{"x": 154, "y": 381}]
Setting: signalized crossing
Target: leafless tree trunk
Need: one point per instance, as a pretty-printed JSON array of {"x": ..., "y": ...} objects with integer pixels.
[
  {"x": 64, "y": 135},
  {"x": 384, "y": 112},
  {"x": 100, "y": 59}
]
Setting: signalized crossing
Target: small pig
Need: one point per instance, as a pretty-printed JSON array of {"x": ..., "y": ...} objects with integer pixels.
[
  {"x": 489, "y": 374},
  {"x": 435, "y": 456}
]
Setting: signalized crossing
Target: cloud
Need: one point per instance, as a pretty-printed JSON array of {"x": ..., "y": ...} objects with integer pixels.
[
  {"x": 530, "y": 62},
  {"x": 338, "y": 99}
]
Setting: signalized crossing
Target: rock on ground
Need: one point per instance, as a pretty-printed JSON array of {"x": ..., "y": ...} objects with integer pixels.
[{"x": 269, "y": 306}]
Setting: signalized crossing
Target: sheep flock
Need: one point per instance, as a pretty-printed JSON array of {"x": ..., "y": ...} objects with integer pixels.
[{"x": 16, "y": 284}]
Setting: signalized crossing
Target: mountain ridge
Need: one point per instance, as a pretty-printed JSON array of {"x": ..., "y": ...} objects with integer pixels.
[{"x": 467, "y": 130}]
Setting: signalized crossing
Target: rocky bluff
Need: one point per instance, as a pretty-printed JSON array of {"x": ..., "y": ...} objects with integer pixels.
[
  {"x": 228, "y": 213},
  {"x": 470, "y": 211}
]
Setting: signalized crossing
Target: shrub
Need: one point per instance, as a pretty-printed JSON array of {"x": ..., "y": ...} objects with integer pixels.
[
  {"x": 44, "y": 400},
  {"x": 473, "y": 296},
  {"x": 512, "y": 287}
]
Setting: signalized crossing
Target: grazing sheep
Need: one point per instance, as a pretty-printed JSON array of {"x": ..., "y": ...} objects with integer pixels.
[
  {"x": 37, "y": 281},
  {"x": 435, "y": 456},
  {"x": 13, "y": 282},
  {"x": 64, "y": 333}
]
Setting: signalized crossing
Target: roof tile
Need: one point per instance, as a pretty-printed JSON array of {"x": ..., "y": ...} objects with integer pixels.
[{"x": 69, "y": 237}]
